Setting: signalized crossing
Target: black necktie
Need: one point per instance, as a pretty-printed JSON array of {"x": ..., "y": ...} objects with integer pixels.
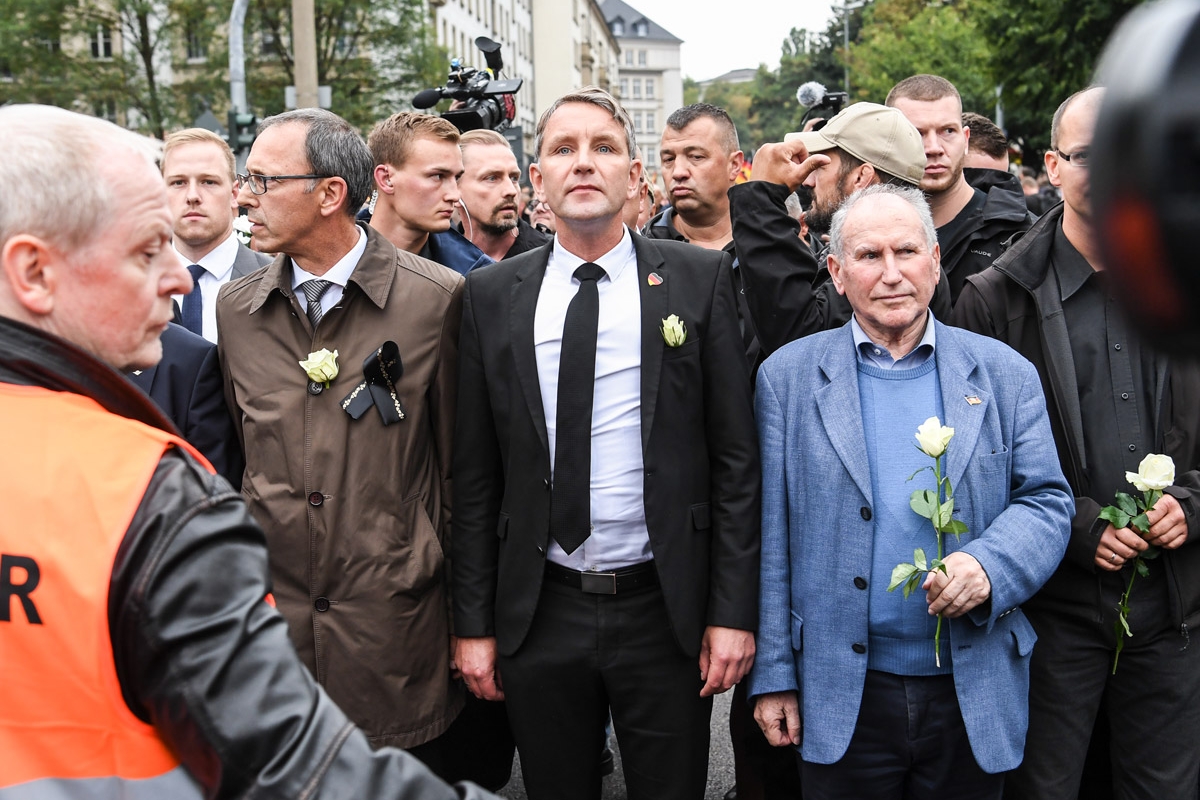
[
  {"x": 570, "y": 499},
  {"x": 193, "y": 303},
  {"x": 313, "y": 289}
]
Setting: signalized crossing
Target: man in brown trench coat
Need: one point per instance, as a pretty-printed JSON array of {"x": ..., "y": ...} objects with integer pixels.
[{"x": 348, "y": 473}]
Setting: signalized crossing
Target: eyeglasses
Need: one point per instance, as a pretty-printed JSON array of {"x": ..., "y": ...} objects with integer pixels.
[
  {"x": 1079, "y": 158},
  {"x": 258, "y": 183}
]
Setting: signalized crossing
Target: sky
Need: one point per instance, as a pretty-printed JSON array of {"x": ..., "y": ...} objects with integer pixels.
[{"x": 732, "y": 34}]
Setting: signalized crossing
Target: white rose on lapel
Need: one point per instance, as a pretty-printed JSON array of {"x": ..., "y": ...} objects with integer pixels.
[
  {"x": 321, "y": 366},
  {"x": 241, "y": 226},
  {"x": 674, "y": 332}
]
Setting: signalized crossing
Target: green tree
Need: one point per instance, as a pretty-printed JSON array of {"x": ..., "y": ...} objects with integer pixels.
[
  {"x": 374, "y": 54},
  {"x": 902, "y": 38},
  {"x": 735, "y": 99},
  {"x": 1043, "y": 51}
]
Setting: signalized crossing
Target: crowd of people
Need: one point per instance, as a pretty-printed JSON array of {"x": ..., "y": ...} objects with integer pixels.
[{"x": 357, "y": 472}]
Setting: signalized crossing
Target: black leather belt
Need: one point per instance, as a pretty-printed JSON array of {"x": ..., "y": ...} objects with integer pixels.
[{"x": 638, "y": 576}]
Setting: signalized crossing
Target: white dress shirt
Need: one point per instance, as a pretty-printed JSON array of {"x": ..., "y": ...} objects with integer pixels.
[
  {"x": 619, "y": 537},
  {"x": 338, "y": 275},
  {"x": 218, "y": 268}
]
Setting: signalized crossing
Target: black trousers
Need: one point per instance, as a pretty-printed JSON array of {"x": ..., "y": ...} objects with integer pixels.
[
  {"x": 909, "y": 744},
  {"x": 1152, "y": 702},
  {"x": 584, "y": 655}
]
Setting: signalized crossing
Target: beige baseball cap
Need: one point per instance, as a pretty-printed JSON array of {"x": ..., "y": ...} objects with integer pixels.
[{"x": 879, "y": 135}]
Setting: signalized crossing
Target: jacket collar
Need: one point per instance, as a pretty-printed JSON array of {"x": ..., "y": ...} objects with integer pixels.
[
  {"x": 374, "y": 274},
  {"x": 31, "y": 357}
]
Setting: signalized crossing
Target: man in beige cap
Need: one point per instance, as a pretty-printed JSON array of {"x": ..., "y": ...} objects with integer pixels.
[{"x": 787, "y": 285}]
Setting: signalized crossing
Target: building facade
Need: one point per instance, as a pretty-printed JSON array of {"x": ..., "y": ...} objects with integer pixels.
[{"x": 650, "y": 84}]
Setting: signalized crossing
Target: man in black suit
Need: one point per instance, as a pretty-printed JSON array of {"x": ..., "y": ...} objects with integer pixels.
[
  {"x": 186, "y": 386},
  {"x": 606, "y": 508},
  {"x": 198, "y": 168}
]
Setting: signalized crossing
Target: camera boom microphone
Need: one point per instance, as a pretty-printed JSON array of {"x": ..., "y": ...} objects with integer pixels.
[
  {"x": 427, "y": 98},
  {"x": 810, "y": 94}
]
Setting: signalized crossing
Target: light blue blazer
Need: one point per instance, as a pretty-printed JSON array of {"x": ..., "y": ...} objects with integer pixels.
[{"x": 817, "y": 533}]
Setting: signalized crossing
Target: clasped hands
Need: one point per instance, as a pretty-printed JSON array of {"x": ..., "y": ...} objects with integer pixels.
[{"x": 1168, "y": 530}]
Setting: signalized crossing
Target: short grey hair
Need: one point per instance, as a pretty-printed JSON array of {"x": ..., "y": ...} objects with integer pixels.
[
  {"x": 332, "y": 147},
  {"x": 909, "y": 194},
  {"x": 597, "y": 97},
  {"x": 1061, "y": 111},
  {"x": 57, "y": 162}
]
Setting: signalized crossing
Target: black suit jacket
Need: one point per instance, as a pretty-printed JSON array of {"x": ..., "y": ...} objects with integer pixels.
[
  {"x": 186, "y": 386},
  {"x": 700, "y": 449}
]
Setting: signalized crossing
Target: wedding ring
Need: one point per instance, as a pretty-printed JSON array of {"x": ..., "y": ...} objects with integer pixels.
[{"x": 1113, "y": 557}]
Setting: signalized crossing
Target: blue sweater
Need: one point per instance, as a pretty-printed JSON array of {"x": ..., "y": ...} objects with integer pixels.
[{"x": 894, "y": 404}]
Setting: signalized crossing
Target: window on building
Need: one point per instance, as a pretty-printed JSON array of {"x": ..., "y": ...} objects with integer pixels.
[
  {"x": 102, "y": 43},
  {"x": 624, "y": 87},
  {"x": 650, "y": 126},
  {"x": 629, "y": 58},
  {"x": 641, "y": 58},
  {"x": 637, "y": 122},
  {"x": 651, "y": 154},
  {"x": 618, "y": 27},
  {"x": 637, "y": 88},
  {"x": 197, "y": 42},
  {"x": 649, "y": 88},
  {"x": 105, "y": 109},
  {"x": 641, "y": 28}
]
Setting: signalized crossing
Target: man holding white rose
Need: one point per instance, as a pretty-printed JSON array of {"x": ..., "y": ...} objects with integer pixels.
[
  {"x": 1112, "y": 401},
  {"x": 846, "y": 670}
]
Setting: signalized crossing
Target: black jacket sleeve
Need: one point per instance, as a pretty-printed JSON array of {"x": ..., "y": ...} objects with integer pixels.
[{"x": 202, "y": 656}]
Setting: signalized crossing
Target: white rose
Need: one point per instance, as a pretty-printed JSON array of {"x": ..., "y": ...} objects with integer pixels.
[
  {"x": 933, "y": 436},
  {"x": 1155, "y": 472},
  {"x": 241, "y": 226},
  {"x": 674, "y": 332},
  {"x": 321, "y": 366}
]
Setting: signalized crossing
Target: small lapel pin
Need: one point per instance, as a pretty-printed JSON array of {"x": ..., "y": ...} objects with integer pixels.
[
  {"x": 137, "y": 372},
  {"x": 973, "y": 400},
  {"x": 653, "y": 279}
]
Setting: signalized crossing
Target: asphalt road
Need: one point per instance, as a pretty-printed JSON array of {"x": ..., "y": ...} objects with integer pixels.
[{"x": 720, "y": 762}]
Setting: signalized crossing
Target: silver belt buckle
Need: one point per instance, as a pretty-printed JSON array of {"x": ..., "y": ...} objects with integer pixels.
[{"x": 598, "y": 582}]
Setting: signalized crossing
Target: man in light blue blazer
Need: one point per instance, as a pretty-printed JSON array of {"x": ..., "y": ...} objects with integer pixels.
[{"x": 845, "y": 669}]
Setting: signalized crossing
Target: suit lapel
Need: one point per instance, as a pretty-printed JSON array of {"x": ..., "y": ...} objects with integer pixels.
[
  {"x": 655, "y": 302},
  {"x": 964, "y": 404},
  {"x": 841, "y": 409},
  {"x": 524, "y": 296}
]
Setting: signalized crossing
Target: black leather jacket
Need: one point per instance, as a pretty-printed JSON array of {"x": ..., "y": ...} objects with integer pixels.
[{"x": 198, "y": 652}]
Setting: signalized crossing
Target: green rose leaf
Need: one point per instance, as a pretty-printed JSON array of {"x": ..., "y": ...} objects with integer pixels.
[
  {"x": 956, "y": 526},
  {"x": 913, "y": 582},
  {"x": 1127, "y": 504},
  {"x": 900, "y": 574},
  {"x": 1124, "y": 624},
  {"x": 919, "y": 560},
  {"x": 945, "y": 512},
  {"x": 924, "y": 502},
  {"x": 1117, "y": 517},
  {"x": 1141, "y": 522},
  {"x": 1142, "y": 568}
]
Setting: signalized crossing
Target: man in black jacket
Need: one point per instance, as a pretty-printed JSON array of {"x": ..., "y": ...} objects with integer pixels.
[
  {"x": 489, "y": 189},
  {"x": 972, "y": 224},
  {"x": 1112, "y": 400},
  {"x": 141, "y": 582},
  {"x": 701, "y": 160}
]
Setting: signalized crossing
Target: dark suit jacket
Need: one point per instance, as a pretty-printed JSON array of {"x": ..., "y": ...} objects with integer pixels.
[
  {"x": 247, "y": 261},
  {"x": 700, "y": 449},
  {"x": 186, "y": 386}
]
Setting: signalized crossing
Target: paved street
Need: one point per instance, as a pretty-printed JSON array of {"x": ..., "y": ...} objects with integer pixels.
[{"x": 720, "y": 763}]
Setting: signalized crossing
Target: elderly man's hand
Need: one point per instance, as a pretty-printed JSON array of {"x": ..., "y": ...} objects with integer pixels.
[
  {"x": 778, "y": 714},
  {"x": 964, "y": 586},
  {"x": 786, "y": 163}
]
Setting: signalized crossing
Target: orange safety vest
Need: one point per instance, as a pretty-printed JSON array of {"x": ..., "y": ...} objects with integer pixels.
[{"x": 74, "y": 475}]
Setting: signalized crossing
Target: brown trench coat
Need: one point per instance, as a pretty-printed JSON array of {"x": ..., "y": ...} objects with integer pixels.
[{"x": 357, "y": 514}]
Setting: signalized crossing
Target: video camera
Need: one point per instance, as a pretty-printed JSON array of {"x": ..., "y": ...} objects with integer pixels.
[
  {"x": 487, "y": 101},
  {"x": 814, "y": 97}
]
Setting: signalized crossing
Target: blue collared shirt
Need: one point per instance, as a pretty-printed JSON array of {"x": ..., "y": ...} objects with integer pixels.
[{"x": 877, "y": 355}]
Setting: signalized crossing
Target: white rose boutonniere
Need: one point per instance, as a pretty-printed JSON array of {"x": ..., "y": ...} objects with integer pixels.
[
  {"x": 241, "y": 226},
  {"x": 674, "y": 332},
  {"x": 321, "y": 366}
]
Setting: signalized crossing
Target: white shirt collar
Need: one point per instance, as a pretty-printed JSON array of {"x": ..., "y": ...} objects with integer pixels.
[
  {"x": 613, "y": 262},
  {"x": 339, "y": 274},
  {"x": 218, "y": 262}
]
